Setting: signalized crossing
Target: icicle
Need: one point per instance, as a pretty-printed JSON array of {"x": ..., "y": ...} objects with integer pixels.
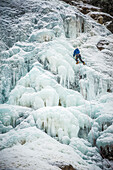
[
  {"x": 14, "y": 77},
  {"x": 68, "y": 82},
  {"x": 62, "y": 74},
  {"x": 53, "y": 132}
]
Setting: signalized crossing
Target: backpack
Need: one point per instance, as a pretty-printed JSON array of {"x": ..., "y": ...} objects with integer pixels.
[{"x": 77, "y": 51}]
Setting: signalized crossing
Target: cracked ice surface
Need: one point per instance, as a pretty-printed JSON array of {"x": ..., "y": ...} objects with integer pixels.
[{"x": 47, "y": 101}]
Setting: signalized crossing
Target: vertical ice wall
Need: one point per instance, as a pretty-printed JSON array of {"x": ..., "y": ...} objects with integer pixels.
[
  {"x": 12, "y": 68},
  {"x": 93, "y": 84},
  {"x": 74, "y": 25},
  {"x": 48, "y": 22},
  {"x": 41, "y": 74},
  {"x": 17, "y": 61}
]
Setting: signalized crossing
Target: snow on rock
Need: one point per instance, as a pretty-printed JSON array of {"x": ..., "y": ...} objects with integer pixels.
[
  {"x": 85, "y": 150},
  {"x": 106, "y": 138},
  {"x": 57, "y": 122},
  {"x": 33, "y": 144},
  {"x": 105, "y": 142}
]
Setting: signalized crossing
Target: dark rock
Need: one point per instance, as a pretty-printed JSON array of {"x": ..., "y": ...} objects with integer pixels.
[
  {"x": 100, "y": 44},
  {"x": 107, "y": 152},
  {"x": 67, "y": 167},
  {"x": 106, "y": 6},
  {"x": 100, "y": 19},
  {"x": 99, "y": 6}
]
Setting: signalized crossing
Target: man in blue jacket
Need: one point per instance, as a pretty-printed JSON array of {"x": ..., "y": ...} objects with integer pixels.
[{"x": 78, "y": 56}]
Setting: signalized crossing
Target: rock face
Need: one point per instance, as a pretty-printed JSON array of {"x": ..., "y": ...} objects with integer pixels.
[
  {"x": 106, "y": 6},
  {"x": 107, "y": 152},
  {"x": 67, "y": 167},
  {"x": 102, "y": 11},
  {"x": 102, "y": 18},
  {"x": 101, "y": 44}
]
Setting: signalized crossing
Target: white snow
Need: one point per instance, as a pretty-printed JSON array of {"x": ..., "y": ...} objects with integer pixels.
[
  {"x": 53, "y": 112},
  {"x": 36, "y": 150}
]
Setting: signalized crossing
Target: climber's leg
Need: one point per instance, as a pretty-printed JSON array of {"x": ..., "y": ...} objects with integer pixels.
[
  {"x": 77, "y": 56},
  {"x": 81, "y": 59}
]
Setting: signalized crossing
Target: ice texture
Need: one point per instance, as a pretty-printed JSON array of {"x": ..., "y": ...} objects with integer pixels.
[
  {"x": 47, "y": 101},
  {"x": 33, "y": 143},
  {"x": 57, "y": 122}
]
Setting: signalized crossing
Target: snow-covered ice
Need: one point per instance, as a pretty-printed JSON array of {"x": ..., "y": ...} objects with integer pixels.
[{"x": 54, "y": 113}]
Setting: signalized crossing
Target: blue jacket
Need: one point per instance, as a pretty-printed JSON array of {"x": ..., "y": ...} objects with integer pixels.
[{"x": 76, "y": 51}]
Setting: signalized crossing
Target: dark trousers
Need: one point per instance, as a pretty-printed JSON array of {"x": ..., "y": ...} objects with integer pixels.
[{"x": 78, "y": 56}]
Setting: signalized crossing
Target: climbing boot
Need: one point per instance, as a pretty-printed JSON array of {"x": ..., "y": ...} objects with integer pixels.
[
  {"x": 77, "y": 62},
  {"x": 84, "y": 63}
]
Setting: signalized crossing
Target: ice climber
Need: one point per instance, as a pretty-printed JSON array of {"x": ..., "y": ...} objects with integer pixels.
[{"x": 78, "y": 56}]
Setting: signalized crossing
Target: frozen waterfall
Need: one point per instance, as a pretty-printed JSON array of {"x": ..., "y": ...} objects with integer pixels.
[{"x": 52, "y": 109}]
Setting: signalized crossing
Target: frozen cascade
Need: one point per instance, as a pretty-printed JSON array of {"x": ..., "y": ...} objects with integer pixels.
[
  {"x": 47, "y": 101},
  {"x": 74, "y": 25},
  {"x": 19, "y": 50}
]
